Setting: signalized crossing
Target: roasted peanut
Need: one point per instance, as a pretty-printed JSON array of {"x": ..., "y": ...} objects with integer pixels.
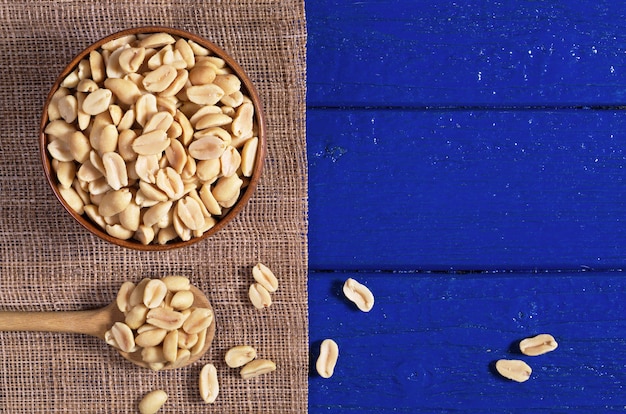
[
  {"x": 208, "y": 383},
  {"x": 327, "y": 359},
  {"x": 359, "y": 294},
  {"x": 265, "y": 277},
  {"x": 513, "y": 369},
  {"x": 239, "y": 356},
  {"x": 259, "y": 296},
  {"x": 152, "y": 402},
  {"x": 538, "y": 345},
  {"x": 257, "y": 367}
]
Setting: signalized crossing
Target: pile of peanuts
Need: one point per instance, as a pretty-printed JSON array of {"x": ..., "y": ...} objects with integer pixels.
[
  {"x": 160, "y": 321},
  {"x": 152, "y": 138}
]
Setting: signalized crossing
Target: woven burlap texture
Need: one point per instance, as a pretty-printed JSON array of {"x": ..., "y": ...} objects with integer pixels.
[{"x": 49, "y": 263}]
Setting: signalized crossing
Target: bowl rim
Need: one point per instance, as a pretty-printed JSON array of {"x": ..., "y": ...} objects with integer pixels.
[{"x": 233, "y": 211}]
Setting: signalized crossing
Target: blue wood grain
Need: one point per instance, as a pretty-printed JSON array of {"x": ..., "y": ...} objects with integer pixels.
[
  {"x": 467, "y": 53},
  {"x": 430, "y": 342},
  {"x": 466, "y": 190}
]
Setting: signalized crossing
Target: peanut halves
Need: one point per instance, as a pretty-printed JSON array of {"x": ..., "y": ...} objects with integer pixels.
[
  {"x": 538, "y": 345},
  {"x": 359, "y": 294}
]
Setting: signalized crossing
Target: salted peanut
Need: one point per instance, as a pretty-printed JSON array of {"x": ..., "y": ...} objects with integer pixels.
[
  {"x": 147, "y": 167},
  {"x": 127, "y": 121},
  {"x": 118, "y": 231},
  {"x": 159, "y": 79},
  {"x": 83, "y": 118},
  {"x": 136, "y": 316},
  {"x": 71, "y": 80},
  {"x": 60, "y": 129},
  {"x": 68, "y": 108},
  {"x": 136, "y": 298},
  {"x": 115, "y": 170},
  {"x": 116, "y": 113},
  {"x": 77, "y": 185},
  {"x": 181, "y": 300},
  {"x": 153, "y": 354},
  {"x": 152, "y": 337},
  {"x": 227, "y": 188},
  {"x": 176, "y": 283},
  {"x": 209, "y": 223},
  {"x": 113, "y": 68},
  {"x": 156, "y": 212},
  {"x": 165, "y": 318},
  {"x": 257, "y": 367},
  {"x": 131, "y": 59},
  {"x": 72, "y": 198},
  {"x": 213, "y": 120},
  {"x": 152, "y": 402},
  {"x": 151, "y": 192},
  {"x": 265, "y": 277},
  {"x": 207, "y": 148},
  {"x": 239, "y": 356},
  {"x": 202, "y": 112},
  {"x": 208, "y": 170},
  {"x": 84, "y": 70},
  {"x": 99, "y": 187},
  {"x": 538, "y": 345},
  {"x": 182, "y": 357},
  {"x": 202, "y": 75},
  {"x": 116, "y": 43},
  {"x": 170, "y": 182},
  {"x": 198, "y": 50},
  {"x": 175, "y": 130},
  {"x": 176, "y": 155},
  {"x": 97, "y": 101},
  {"x": 177, "y": 84},
  {"x": 233, "y": 100},
  {"x": 144, "y": 235},
  {"x": 66, "y": 172},
  {"x": 230, "y": 161},
  {"x": 208, "y": 383},
  {"x": 92, "y": 212},
  {"x": 359, "y": 294},
  {"x": 125, "y": 144},
  {"x": 161, "y": 120},
  {"x": 229, "y": 83},
  {"x": 259, "y": 296},
  {"x": 514, "y": 369},
  {"x": 209, "y": 94},
  {"x": 248, "y": 156},
  {"x": 195, "y": 349},
  {"x": 182, "y": 231},
  {"x": 124, "y": 90},
  {"x": 209, "y": 200},
  {"x": 60, "y": 150},
  {"x": 199, "y": 320},
  {"x": 173, "y": 58},
  {"x": 106, "y": 140},
  {"x": 166, "y": 235},
  {"x": 96, "y": 64},
  {"x": 96, "y": 161},
  {"x": 145, "y": 107},
  {"x": 243, "y": 121},
  {"x": 124, "y": 336},
  {"x": 190, "y": 213},
  {"x": 130, "y": 217},
  {"x": 151, "y": 143},
  {"x": 154, "y": 293},
  {"x": 156, "y": 40},
  {"x": 123, "y": 296},
  {"x": 115, "y": 202},
  {"x": 185, "y": 340},
  {"x": 170, "y": 345},
  {"x": 86, "y": 85},
  {"x": 53, "y": 108},
  {"x": 327, "y": 359}
]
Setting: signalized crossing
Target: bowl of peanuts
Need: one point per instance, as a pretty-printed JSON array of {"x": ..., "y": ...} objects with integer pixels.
[{"x": 152, "y": 138}]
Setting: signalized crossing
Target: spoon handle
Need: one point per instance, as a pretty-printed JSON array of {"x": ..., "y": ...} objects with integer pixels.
[{"x": 93, "y": 322}]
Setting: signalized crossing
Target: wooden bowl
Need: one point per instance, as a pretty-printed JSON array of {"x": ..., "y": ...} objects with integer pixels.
[{"x": 250, "y": 182}]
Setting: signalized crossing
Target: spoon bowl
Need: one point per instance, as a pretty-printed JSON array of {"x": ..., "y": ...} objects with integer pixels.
[{"x": 95, "y": 322}]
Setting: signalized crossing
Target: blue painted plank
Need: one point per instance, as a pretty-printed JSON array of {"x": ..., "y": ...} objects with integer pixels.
[
  {"x": 432, "y": 52},
  {"x": 430, "y": 342},
  {"x": 468, "y": 190}
]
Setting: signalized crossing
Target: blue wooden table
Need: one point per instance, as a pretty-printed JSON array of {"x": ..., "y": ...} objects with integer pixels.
[{"x": 467, "y": 162}]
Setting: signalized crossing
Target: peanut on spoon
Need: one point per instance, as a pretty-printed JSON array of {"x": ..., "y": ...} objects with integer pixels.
[{"x": 158, "y": 324}]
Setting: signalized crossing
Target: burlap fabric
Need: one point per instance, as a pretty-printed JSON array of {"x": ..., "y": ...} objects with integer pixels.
[{"x": 49, "y": 263}]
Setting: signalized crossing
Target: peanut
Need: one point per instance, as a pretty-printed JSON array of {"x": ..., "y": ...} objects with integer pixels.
[
  {"x": 327, "y": 359},
  {"x": 208, "y": 383},
  {"x": 513, "y": 369},
  {"x": 152, "y": 402},
  {"x": 359, "y": 294},
  {"x": 538, "y": 345},
  {"x": 239, "y": 356},
  {"x": 265, "y": 277},
  {"x": 257, "y": 367}
]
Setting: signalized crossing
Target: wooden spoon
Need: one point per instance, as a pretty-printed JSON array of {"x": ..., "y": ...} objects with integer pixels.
[{"x": 93, "y": 322}]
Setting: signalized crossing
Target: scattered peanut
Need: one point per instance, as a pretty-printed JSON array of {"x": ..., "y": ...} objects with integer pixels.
[
  {"x": 514, "y": 369},
  {"x": 239, "y": 355},
  {"x": 359, "y": 294},
  {"x": 152, "y": 402},
  {"x": 327, "y": 359},
  {"x": 136, "y": 116},
  {"x": 208, "y": 384},
  {"x": 538, "y": 345},
  {"x": 257, "y": 367}
]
